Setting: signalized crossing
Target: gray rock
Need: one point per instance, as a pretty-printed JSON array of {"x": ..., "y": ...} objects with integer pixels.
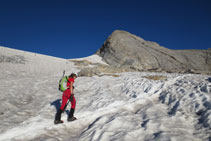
[
  {"x": 98, "y": 69},
  {"x": 123, "y": 49},
  {"x": 101, "y": 70}
]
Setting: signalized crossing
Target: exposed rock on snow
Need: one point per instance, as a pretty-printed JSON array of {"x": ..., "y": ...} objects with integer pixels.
[
  {"x": 125, "y": 49},
  {"x": 102, "y": 70},
  {"x": 90, "y": 69},
  {"x": 156, "y": 77}
]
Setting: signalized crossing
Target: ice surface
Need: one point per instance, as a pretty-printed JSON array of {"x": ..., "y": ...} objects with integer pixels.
[{"x": 130, "y": 107}]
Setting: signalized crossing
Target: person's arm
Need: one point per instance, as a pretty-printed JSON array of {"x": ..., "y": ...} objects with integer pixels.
[{"x": 71, "y": 87}]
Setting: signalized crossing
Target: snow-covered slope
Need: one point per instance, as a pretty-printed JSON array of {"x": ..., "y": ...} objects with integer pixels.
[
  {"x": 94, "y": 59},
  {"x": 23, "y": 62},
  {"x": 130, "y": 107}
]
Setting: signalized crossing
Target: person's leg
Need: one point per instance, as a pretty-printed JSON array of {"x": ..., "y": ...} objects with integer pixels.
[
  {"x": 71, "y": 113},
  {"x": 58, "y": 115},
  {"x": 61, "y": 109},
  {"x": 72, "y": 110},
  {"x": 73, "y": 103},
  {"x": 64, "y": 102}
]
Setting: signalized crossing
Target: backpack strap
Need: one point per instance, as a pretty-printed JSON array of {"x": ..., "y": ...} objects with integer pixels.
[{"x": 67, "y": 79}]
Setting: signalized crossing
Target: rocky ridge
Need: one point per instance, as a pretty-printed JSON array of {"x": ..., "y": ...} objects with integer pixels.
[{"x": 125, "y": 50}]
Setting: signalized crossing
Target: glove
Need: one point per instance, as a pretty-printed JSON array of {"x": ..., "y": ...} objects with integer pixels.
[{"x": 71, "y": 97}]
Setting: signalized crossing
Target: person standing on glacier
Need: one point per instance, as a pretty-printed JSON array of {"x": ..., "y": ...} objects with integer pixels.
[{"x": 67, "y": 95}]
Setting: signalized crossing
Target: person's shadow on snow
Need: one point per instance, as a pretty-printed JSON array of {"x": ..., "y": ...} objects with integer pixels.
[{"x": 57, "y": 104}]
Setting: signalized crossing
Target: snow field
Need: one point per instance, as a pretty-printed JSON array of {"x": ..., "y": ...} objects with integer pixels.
[
  {"x": 94, "y": 59},
  {"x": 17, "y": 62},
  {"x": 151, "y": 114},
  {"x": 129, "y": 107},
  {"x": 110, "y": 111}
]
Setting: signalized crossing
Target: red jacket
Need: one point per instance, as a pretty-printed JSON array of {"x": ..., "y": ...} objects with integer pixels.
[{"x": 68, "y": 92}]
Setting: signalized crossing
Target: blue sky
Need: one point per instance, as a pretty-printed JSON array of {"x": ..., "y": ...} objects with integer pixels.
[{"x": 78, "y": 28}]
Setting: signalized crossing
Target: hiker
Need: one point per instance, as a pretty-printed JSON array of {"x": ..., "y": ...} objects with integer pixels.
[{"x": 67, "y": 95}]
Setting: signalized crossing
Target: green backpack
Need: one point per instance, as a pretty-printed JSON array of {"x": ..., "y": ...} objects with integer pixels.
[{"x": 63, "y": 83}]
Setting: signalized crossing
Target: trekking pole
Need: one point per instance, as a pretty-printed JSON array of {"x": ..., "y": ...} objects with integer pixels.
[{"x": 67, "y": 104}]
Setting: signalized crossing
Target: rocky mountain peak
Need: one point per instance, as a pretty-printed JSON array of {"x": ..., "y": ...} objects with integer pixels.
[{"x": 123, "y": 49}]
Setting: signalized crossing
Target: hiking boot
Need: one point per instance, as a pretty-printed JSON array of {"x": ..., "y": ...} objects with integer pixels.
[
  {"x": 71, "y": 114},
  {"x": 71, "y": 119},
  {"x": 58, "y": 121}
]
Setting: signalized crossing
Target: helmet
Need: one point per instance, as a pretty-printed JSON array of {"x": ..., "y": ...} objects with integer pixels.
[{"x": 73, "y": 74}]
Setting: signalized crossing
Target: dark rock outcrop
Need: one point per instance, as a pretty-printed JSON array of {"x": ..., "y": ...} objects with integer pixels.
[{"x": 123, "y": 49}]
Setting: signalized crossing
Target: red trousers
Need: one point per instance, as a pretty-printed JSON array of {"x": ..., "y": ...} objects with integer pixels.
[{"x": 66, "y": 95}]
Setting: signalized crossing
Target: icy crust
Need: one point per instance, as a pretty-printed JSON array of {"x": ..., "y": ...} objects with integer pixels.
[{"x": 129, "y": 107}]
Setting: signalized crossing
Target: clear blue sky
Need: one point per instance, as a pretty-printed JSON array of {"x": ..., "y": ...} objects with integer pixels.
[{"x": 77, "y": 28}]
